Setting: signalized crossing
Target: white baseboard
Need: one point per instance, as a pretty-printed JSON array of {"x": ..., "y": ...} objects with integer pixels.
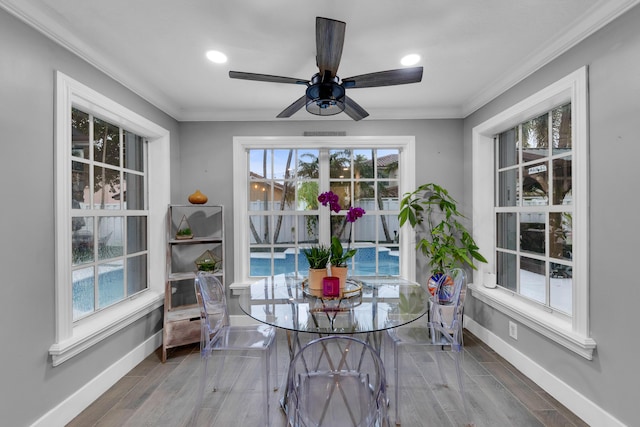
[
  {"x": 69, "y": 408},
  {"x": 580, "y": 405}
]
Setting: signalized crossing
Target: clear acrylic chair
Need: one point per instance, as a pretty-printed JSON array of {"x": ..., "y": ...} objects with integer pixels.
[
  {"x": 218, "y": 335},
  {"x": 337, "y": 381},
  {"x": 443, "y": 327}
]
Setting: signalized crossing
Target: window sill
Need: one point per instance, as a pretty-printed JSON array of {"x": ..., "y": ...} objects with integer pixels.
[
  {"x": 541, "y": 321},
  {"x": 102, "y": 325},
  {"x": 237, "y": 287}
]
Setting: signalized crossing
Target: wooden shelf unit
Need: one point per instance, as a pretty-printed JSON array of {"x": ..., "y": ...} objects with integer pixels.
[{"x": 181, "y": 324}]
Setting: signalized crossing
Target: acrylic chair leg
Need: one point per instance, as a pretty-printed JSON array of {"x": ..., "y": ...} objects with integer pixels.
[
  {"x": 267, "y": 361},
  {"x": 204, "y": 362},
  {"x": 396, "y": 374},
  {"x": 459, "y": 372},
  {"x": 276, "y": 381},
  {"x": 218, "y": 371}
]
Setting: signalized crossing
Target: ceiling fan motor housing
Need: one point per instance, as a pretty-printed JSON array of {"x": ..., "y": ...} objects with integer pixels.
[{"x": 325, "y": 98}]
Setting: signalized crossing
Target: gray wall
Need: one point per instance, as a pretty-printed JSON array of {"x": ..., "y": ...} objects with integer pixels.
[
  {"x": 207, "y": 162},
  {"x": 30, "y": 385},
  {"x": 611, "y": 378}
]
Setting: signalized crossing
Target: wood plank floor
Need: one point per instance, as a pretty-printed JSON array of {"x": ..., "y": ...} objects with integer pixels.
[{"x": 157, "y": 394}]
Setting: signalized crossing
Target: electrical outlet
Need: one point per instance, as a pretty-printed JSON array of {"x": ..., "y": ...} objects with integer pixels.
[{"x": 513, "y": 330}]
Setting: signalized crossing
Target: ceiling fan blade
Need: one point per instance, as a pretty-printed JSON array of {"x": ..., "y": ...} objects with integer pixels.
[
  {"x": 353, "y": 109},
  {"x": 385, "y": 78},
  {"x": 329, "y": 42},
  {"x": 293, "y": 108},
  {"x": 266, "y": 78}
]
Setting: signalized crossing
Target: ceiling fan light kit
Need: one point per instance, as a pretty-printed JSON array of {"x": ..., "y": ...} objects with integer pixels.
[
  {"x": 325, "y": 99},
  {"x": 326, "y": 94}
]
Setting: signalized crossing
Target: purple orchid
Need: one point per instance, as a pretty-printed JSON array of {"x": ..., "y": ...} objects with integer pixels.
[{"x": 338, "y": 255}]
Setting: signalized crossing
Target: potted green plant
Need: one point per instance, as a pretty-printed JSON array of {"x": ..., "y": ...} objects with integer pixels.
[
  {"x": 184, "y": 233},
  {"x": 446, "y": 242},
  {"x": 318, "y": 257}
]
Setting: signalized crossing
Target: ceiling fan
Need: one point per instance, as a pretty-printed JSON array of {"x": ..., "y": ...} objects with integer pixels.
[{"x": 326, "y": 94}]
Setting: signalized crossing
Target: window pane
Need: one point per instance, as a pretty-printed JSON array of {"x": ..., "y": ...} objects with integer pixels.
[
  {"x": 343, "y": 190},
  {"x": 107, "y": 185},
  {"x": 506, "y": 270},
  {"x": 308, "y": 229},
  {"x": 561, "y": 285},
  {"x": 560, "y": 232},
  {"x": 284, "y": 192},
  {"x": 133, "y": 151},
  {"x": 508, "y": 148},
  {"x": 308, "y": 195},
  {"x": 363, "y": 163},
  {"x": 284, "y": 229},
  {"x": 364, "y": 193},
  {"x": 532, "y": 229},
  {"x": 388, "y": 261},
  {"x": 339, "y": 164},
  {"x": 109, "y": 237},
  {"x": 364, "y": 229},
  {"x": 260, "y": 163},
  {"x": 134, "y": 194},
  {"x": 136, "y": 274},
  {"x": 532, "y": 279},
  {"x": 387, "y": 194},
  {"x": 83, "y": 292},
  {"x": 535, "y": 138},
  {"x": 259, "y": 196},
  {"x": 136, "y": 234},
  {"x": 387, "y": 163},
  {"x": 561, "y": 130},
  {"x": 79, "y": 134},
  {"x": 340, "y": 227},
  {"x": 308, "y": 164},
  {"x": 388, "y": 229},
  {"x": 260, "y": 261},
  {"x": 110, "y": 283},
  {"x": 562, "y": 184},
  {"x": 79, "y": 182},
  {"x": 259, "y": 229},
  {"x": 283, "y": 261},
  {"x": 508, "y": 188},
  {"x": 82, "y": 245},
  {"x": 106, "y": 143},
  {"x": 283, "y": 164},
  {"x": 506, "y": 231},
  {"x": 535, "y": 185}
]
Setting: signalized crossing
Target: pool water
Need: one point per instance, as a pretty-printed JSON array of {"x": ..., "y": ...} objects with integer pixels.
[{"x": 362, "y": 264}]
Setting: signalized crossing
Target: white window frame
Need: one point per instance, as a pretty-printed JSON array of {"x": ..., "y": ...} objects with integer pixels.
[
  {"x": 71, "y": 338},
  {"x": 241, "y": 145},
  {"x": 572, "y": 333}
]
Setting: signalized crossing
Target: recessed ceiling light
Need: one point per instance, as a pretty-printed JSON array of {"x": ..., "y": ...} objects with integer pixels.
[
  {"x": 217, "y": 57},
  {"x": 410, "y": 59}
]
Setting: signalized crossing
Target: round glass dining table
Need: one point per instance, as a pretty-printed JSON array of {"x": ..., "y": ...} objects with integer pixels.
[{"x": 369, "y": 304}]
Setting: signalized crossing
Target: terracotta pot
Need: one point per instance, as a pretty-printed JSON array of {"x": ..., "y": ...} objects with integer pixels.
[
  {"x": 315, "y": 279},
  {"x": 198, "y": 198},
  {"x": 341, "y": 273}
]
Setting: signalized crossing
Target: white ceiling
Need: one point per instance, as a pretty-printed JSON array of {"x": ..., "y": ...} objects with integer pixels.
[{"x": 471, "y": 50}]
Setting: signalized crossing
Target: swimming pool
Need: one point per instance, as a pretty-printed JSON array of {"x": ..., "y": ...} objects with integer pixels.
[{"x": 362, "y": 264}]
